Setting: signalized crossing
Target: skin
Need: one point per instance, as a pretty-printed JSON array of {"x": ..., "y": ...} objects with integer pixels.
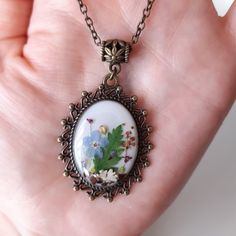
[{"x": 183, "y": 71}]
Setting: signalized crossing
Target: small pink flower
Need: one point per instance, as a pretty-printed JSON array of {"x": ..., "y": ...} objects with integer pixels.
[{"x": 127, "y": 158}]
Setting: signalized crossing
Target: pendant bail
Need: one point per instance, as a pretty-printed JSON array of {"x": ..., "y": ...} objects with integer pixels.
[{"x": 115, "y": 51}]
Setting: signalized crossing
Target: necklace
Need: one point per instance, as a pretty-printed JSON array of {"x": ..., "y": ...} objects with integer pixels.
[{"x": 105, "y": 139}]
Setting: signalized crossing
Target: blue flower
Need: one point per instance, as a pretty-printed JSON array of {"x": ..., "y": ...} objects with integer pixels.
[{"x": 94, "y": 144}]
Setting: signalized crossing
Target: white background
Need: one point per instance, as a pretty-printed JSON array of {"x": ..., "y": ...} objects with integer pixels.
[{"x": 207, "y": 205}]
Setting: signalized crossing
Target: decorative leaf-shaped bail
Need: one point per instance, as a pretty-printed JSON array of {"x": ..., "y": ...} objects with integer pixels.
[{"x": 115, "y": 51}]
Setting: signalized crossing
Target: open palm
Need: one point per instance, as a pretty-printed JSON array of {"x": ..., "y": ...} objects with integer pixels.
[{"x": 183, "y": 70}]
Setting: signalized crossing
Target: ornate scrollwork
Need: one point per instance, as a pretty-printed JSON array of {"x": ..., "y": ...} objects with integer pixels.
[{"x": 114, "y": 93}]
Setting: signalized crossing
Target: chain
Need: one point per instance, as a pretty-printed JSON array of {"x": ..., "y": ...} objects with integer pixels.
[
  {"x": 89, "y": 22},
  {"x": 141, "y": 24},
  {"x": 135, "y": 37}
]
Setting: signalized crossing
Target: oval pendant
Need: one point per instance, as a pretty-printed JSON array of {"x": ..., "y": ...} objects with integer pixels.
[{"x": 105, "y": 142}]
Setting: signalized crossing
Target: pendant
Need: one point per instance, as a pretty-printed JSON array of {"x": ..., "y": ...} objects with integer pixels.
[{"x": 105, "y": 141}]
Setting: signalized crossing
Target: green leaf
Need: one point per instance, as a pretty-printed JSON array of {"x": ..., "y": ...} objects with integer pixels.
[
  {"x": 115, "y": 139},
  {"x": 97, "y": 164}
]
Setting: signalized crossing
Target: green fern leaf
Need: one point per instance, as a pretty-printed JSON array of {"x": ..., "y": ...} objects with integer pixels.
[{"x": 112, "y": 152}]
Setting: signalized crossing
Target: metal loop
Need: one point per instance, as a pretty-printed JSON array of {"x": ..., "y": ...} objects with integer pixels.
[
  {"x": 111, "y": 80},
  {"x": 115, "y": 68},
  {"x": 83, "y": 9},
  {"x": 89, "y": 21}
]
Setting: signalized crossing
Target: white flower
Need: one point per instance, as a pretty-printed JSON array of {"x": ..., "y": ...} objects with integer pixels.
[{"x": 108, "y": 176}]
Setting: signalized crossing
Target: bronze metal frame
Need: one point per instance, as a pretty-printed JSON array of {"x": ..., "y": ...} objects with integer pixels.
[{"x": 105, "y": 92}]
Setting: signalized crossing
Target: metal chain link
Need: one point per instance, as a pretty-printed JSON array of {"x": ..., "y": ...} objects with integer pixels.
[
  {"x": 141, "y": 24},
  {"x": 89, "y": 22},
  {"x": 135, "y": 37}
]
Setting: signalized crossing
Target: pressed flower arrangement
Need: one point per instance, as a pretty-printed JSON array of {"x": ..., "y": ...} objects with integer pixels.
[{"x": 106, "y": 152}]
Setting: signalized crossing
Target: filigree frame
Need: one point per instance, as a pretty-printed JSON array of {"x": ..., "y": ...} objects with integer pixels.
[{"x": 114, "y": 93}]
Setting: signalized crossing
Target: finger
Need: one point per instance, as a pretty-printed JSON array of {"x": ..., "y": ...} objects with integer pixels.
[
  {"x": 230, "y": 20},
  {"x": 15, "y": 15}
]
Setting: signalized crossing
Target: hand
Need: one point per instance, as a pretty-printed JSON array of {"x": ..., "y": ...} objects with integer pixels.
[{"x": 183, "y": 71}]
